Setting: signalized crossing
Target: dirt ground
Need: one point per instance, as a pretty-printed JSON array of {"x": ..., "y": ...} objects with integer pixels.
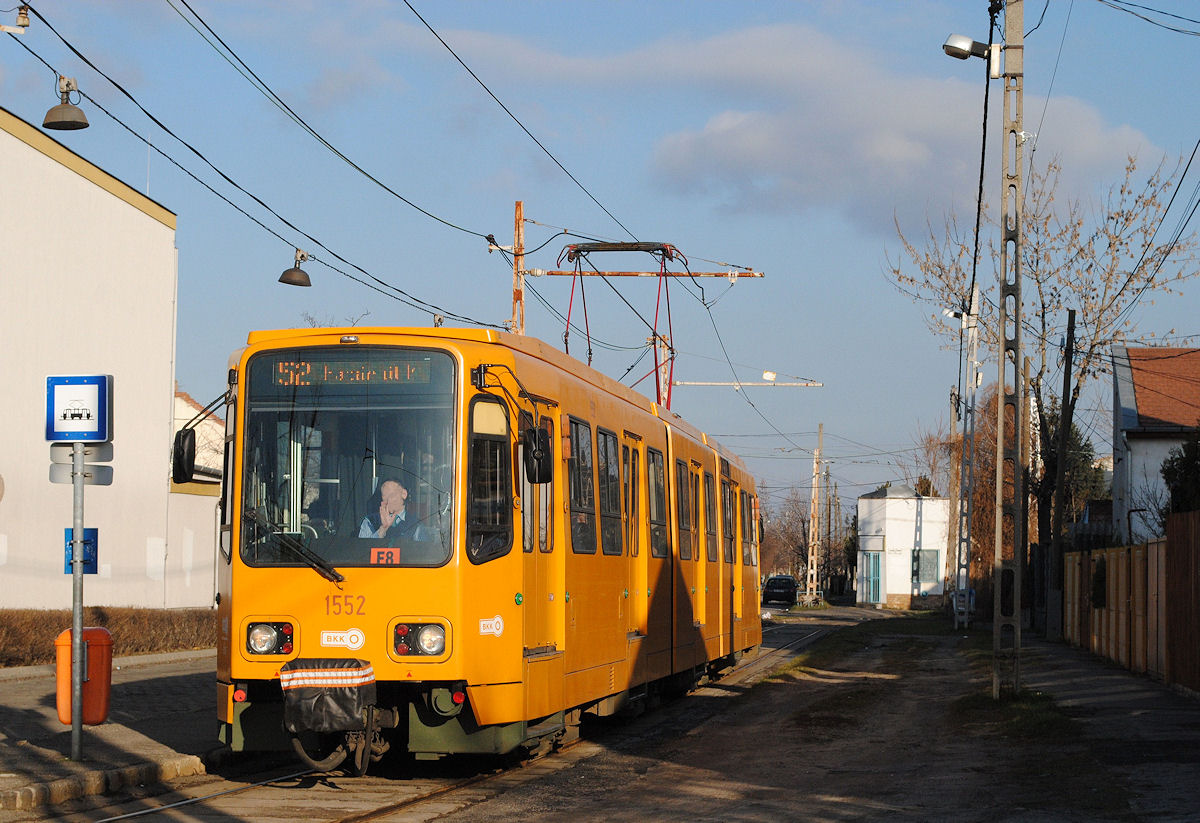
[{"x": 899, "y": 726}]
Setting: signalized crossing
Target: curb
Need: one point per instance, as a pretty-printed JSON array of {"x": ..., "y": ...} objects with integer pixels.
[
  {"x": 118, "y": 663},
  {"x": 98, "y": 782}
]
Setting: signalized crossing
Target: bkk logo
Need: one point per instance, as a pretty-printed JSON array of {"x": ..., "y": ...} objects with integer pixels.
[
  {"x": 492, "y": 625},
  {"x": 350, "y": 639}
]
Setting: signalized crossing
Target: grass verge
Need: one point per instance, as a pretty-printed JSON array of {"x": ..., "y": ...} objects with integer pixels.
[{"x": 27, "y": 635}]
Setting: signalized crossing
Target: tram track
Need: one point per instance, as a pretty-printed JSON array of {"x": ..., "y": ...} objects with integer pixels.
[{"x": 429, "y": 796}]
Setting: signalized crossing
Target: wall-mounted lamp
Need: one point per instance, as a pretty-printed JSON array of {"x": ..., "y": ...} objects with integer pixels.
[
  {"x": 65, "y": 116},
  {"x": 296, "y": 276}
]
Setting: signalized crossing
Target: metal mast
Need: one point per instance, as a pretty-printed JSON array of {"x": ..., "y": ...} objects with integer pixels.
[{"x": 966, "y": 469}]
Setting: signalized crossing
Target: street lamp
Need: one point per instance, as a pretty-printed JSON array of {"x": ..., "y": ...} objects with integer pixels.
[
  {"x": 65, "y": 116},
  {"x": 960, "y": 47},
  {"x": 296, "y": 276}
]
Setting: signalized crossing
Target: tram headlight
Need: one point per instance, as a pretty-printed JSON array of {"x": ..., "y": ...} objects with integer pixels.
[
  {"x": 431, "y": 639},
  {"x": 262, "y": 638}
]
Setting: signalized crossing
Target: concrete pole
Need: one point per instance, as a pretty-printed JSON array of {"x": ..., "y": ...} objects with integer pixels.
[{"x": 1006, "y": 578}]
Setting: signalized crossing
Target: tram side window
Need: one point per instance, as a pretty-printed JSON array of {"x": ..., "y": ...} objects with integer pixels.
[
  {"x": 537, "y": 500},
  {"x": 489, "y": 503},
  {"x": 610, "y": 492},
  {"x": 633, "y": 485},
  {"x": 747, "y": 522},
  {"x": 755, "y": 529},
  {"x": 583, "y": 499},
  {"x": 710, "y": 518},
  {"x": 727, "y": 516},
  {"x": 694, "y": 504},
  {"x": 683, "y": 510},
  {"x": 660, "y": 541}
]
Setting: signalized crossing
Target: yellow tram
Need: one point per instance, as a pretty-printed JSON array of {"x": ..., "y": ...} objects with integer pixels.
[{"x": 458, "y": 540}]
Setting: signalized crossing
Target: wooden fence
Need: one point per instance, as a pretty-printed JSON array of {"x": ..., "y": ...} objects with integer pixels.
[{"x": 1140, "y": 605}]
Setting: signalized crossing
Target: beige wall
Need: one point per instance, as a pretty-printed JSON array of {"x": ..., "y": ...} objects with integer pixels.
[{"x": 87, "y": 286}]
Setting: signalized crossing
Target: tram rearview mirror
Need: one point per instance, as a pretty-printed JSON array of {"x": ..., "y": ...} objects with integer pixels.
[
  {"x": 183, "y": 456},
  {"x": 539, "y": 465}
]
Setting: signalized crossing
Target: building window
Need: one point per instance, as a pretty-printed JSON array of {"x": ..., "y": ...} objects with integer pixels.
[{"x": 926, "y": 565}]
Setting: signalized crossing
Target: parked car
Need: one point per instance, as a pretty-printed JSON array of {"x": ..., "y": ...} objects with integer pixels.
[{"x": 780, "y": 588}]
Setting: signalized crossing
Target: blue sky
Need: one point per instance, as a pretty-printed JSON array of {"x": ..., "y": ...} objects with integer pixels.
[{"x": 788, "y": 137}]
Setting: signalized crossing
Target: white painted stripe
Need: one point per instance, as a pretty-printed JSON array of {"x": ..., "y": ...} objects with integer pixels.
[{"x": 337, "y": 678}]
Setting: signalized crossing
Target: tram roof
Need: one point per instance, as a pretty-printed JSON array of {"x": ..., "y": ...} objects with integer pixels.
[{"x": 524, "y": 344}]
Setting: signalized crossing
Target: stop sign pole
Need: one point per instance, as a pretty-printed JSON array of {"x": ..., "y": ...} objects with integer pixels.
[{"x": 78, "y": 412}]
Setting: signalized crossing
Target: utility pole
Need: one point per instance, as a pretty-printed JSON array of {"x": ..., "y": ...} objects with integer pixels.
[
  {"x": 1054, "y": 576},
  {"x": 814, "y": 526},
  {"x": 1010, "y": 458},
  {"x": 518, "y": 314}
]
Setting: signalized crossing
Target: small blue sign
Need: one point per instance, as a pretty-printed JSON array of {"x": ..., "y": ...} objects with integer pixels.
[
  {"x": 91, "y": 549},
  {"x": 79, "y": 408}
]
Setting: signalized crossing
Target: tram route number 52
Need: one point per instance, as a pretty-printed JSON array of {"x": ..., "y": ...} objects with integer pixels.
[{"x": 345, "y": 604}]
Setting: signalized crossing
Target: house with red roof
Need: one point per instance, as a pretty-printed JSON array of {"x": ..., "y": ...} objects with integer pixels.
[{"x": 1156, "y": 407}]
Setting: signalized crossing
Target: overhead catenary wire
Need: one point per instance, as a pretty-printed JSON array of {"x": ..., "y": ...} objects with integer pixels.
[
  {"x": 517, "y": 120},
  {"x": 278, "y": 101},
  {"x": 416, "y": 302}
]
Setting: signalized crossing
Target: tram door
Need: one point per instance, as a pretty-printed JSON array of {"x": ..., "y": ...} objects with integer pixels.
[
  {"x": 635, "y": 548},
  {"x": 543, "y": 580},
  {"x": 729, "y": 565},
  {"x": 537, "y": 519}
]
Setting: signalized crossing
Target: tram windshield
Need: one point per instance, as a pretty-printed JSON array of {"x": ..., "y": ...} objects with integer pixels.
[{"x": 348, "y": 458}]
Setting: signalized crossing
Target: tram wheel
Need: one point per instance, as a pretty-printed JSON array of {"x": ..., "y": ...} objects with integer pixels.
[{"x": 322, "y": 760}]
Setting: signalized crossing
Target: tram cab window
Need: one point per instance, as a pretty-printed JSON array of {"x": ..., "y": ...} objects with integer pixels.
[
  {"x": 324, "y": 427},
  {"x": 489, "y": 482}
]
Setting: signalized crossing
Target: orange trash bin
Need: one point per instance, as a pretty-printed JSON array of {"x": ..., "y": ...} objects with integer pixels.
[{"x": 97, "y": 675}]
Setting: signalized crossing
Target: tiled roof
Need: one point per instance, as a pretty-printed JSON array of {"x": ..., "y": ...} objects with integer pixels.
[{"x": 1166, "y": 384}]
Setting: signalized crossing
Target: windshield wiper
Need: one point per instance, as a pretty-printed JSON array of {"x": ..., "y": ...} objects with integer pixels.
[{"x": 313, "y": 560}]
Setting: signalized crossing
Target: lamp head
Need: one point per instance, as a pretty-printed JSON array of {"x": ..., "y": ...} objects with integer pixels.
[
  {"x": 65, "y": 116},
  {"x": 960, "y": 47},
  {"x": 296, "y": 276}
]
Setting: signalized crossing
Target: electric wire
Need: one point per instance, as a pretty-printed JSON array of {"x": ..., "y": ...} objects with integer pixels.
[
  {"x": 275, "y": 99},
  {"x": 516, "y": 120},
  {"x": 1050, "y": 89},
  {"x": 422, "y": 304},
  {"x": 1128, "y": 8}
]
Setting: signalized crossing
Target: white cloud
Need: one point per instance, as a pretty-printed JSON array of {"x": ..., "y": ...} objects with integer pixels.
[{"x": 799, "y": 121}]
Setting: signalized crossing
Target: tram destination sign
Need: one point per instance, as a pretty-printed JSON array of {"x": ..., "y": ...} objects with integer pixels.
[{"x": 371, "y": 371}]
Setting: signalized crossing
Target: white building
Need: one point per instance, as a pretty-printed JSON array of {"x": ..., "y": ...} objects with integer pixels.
[
  {"x": 1156, "y": 407},
  {"x": 902, "y": 542},
  {"x": 87, "y": 287}
]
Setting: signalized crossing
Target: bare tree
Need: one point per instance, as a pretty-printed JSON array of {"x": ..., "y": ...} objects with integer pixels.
[
  {"x": 328, "y": 322},
  {"x": 1099, "y": 259},
  {"x": 785, "y": 538},
  {"x": 930, "y": 459}
]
